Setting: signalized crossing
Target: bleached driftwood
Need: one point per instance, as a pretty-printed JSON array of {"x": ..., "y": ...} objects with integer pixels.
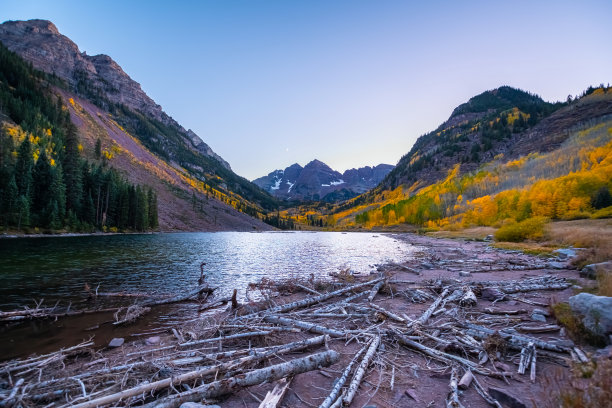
[
  {"x": 352, "y": 390},
  {"x": 452, "y": 400},
  {"x": 406, "y": 268},
  {"x": 427, "y": 314},
  {"x": 193, "y": 375},
  {"x": 307, "y": 289},
  {"x": 221, "y": 338},
  {"x": 447, "y": 358},
  {"x": 466, "y": 380},
  {"x": 515, "y": 340},
  {"x": 313, "y": 300},
  {"x": 274, "y": 397},
  {"x": 333, "y": 395},
  {"x": 387, "y": 313},
  {"x": 375, "y": 290},
  {"x": 311, "y": 327},
  {"x": 267, "y": 374},
  {"x": 532, "y": 371}
]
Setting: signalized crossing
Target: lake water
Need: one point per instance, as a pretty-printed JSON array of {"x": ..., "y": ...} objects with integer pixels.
[{"x": 57, "y": 269}]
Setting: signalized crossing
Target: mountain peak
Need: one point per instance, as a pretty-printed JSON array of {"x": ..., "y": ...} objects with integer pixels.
[
  {"x": 498, "y": 99},
  {"x": 35, "y": 26},
  {"x": 317, "y": 181}
]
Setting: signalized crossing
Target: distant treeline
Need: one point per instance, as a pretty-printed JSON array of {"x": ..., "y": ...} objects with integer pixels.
[{"x": 44, "y": 181}]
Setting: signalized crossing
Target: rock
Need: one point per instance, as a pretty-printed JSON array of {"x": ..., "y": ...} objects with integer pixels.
[
  {"x": 488, "y": 238},
  {"x": 116, "y": 342},
  {"x": 505, "y": 399},
  {"x": 465, "y": 274},
  {"x": 605, "y": 352},
  {"x": 426, "y": 265},
  {"x": 565, "y": 253},
  {"x": 556, "y": 265},
  {"x": 541, "y": 311},
  {"x": 538, "y": 317},
  {"x": 197, "y": 405},
  {"x": 152, "y": 340},
  {"x": 591, "y": 271},
  {"x": 491, "y": 294},
  {"x": 595, "y": 310}
]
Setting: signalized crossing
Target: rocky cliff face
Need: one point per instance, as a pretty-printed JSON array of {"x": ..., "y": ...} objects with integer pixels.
[
  {"x": 317, "y": 181},
  {"x": 96, "y": 77}
]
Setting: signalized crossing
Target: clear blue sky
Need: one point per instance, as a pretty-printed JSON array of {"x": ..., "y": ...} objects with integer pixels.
[{"x": 352, "y": 83}]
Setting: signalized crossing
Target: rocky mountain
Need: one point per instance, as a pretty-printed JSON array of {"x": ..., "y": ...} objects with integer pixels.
[
  {"x": 317, "y": 181},
  {"x": 197, "y": 190},
  {"x": 98, "y": 77},
  {"x": 503, "y": 121}
]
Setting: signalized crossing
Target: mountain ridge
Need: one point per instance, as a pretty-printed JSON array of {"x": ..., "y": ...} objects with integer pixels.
[{"x": 317, "y": 181}]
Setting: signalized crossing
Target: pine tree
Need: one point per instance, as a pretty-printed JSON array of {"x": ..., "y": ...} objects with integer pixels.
[
  {"x": 98, "y": 150},
  {"x": 41, "y": 186},
  {"x": 23, "y": 212},
  {"x": 9, "y": 202},
  {"x": 23, "y": 170},
  {"x": 58, "y": 193},
  {"x": 72, "y": 171},
  {"x": 152, "y": 200}
]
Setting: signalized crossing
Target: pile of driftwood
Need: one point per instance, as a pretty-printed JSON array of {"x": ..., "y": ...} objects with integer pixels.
[
  {"x": 123, "y": 314},
  {"x": 361, "y": 328}
]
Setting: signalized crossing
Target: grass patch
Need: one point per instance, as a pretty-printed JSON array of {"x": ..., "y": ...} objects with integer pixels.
[
  {"x": 604, "y": 284},
  {"x": 594, "y": 235},
  {"x": 530, "y": 248},
  {"x": 531, "y": 228},
  {"x": 474, "y": 233},
  {"x": 578, "y": 392}
]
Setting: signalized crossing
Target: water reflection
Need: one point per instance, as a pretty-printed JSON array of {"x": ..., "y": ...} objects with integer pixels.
[{"x": 57, "y": 268}]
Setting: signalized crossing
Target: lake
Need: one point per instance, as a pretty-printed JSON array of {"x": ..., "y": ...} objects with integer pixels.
[{"x": 57, "y": 269}]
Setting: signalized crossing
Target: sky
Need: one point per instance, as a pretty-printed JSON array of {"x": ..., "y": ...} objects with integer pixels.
[{"x": 349, "y": 82}]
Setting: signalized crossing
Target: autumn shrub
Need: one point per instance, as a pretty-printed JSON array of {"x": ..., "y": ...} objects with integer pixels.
[
  {"x": 605, "y": 212},
  {"x": 531, "y": 228}
]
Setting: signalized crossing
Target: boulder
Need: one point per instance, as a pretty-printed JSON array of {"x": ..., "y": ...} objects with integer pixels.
[
  {"x": 465, "y": 274},
  {"x": 595, "y": 310},
  {"x": 591, "y": 271},
  {"x": 565, "y": 253},
  {"x": 536, "y": 317},
  {"x": 491, "y": 294},
  {"x": 556, "y": 265},
  {"x": 196, "y": 405}
]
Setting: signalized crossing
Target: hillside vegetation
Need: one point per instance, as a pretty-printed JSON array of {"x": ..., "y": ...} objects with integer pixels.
[
  {"x": 44, "y": 181},
  {"x": 520, "y": 195}
]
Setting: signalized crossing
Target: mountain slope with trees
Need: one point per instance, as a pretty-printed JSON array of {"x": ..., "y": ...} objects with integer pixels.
[
  {"x": 44, "y": 181},
  {"x": 118, "y": 126},
  {"x": 557, "y": 168}
]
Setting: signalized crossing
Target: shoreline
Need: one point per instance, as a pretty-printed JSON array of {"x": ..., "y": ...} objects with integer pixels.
[{"x": 389, "y": 307}]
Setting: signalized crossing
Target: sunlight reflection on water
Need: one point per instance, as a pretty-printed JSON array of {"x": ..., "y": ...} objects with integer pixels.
[{"x": 58, "y": 267}]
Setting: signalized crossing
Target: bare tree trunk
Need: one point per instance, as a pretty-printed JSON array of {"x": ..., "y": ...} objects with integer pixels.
[
  {"x": 268, "y": 374},
  {"x": 350, "y": 394}
]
